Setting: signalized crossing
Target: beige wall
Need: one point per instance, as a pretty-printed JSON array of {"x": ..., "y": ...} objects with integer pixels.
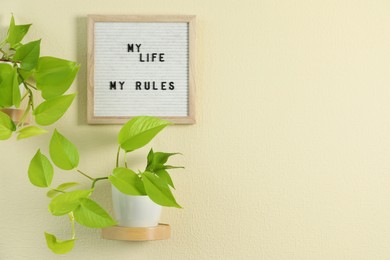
[{"x": 290, "y": 158}]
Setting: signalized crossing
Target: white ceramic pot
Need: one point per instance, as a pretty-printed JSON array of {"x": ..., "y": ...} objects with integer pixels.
[{"x": 135, "y": 211}]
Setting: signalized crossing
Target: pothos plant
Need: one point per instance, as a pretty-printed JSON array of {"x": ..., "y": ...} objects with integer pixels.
[
  {"x": 154, "y": 181},
  {"x": 22, "y": 68},
  {"x": 23, "y": 72}
]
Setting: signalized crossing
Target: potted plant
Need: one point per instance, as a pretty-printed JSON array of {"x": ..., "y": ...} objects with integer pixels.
[
  {"x": 23, "y": 72},
  {"x": 133, "y": 192}
]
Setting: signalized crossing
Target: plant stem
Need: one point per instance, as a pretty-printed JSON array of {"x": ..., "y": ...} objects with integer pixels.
[
  {"x": 8, "y": 60},
  {"x": 71, "y": 218},
  {"x": 85, "y": 175},
  {"x": 30, "y": 95},
  {"x": 25, "y": 114},
  {"x": 31, "y": 86},
  {"x": 96, "y": 180},
  {"x": 125, "y": 159},
  {"x": 117, "y": 156},
  {"x": 29, "y": 106},
  {"x": 24, "y": 96}
]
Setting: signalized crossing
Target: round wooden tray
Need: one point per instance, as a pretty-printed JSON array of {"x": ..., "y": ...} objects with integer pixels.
[
  {"x": 16, "y": 114},
  {"x": 160, "y": 232}
]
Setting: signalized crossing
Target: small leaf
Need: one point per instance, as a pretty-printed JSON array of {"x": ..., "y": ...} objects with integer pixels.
[
  {"x": 150, "y": 157},
  {"x": 9, "y": 86},
  {"x": 58, "y": 246},
  {"x": 63, "y": 187},
  {"x": 164, "y": 175},
  {"x": 30, "y": 131},
  {"x": 53, "y": 109},
  {"x": 127, "y": 182},
  {"x": 40, "y": 171},
  {"x": 157, "y": 160},
  {"x": 90, "y": 214},
  {"x": 158, "y": 190},
  {"x": 63, "y": 153},
  {"x": 28, "y": 55},
  {"x": 16, "y": 32},
  {"x": 139, "y": 131},
  {"x": 7, "y": 126},
  {"x": 54, "y": 76},
  {"x": 67, "y": 202}
]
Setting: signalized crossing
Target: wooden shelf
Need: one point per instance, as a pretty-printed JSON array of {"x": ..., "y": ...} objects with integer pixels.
[
  {"x": 16, "y": 114},
  {"x": 160, "y": 232}
]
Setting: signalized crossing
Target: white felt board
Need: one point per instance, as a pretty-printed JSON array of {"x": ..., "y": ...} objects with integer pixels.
[{"x": 115, "y": 60}]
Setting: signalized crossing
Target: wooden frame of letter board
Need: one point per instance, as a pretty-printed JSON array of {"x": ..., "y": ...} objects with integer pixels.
[{"x": 190, "y": 19}]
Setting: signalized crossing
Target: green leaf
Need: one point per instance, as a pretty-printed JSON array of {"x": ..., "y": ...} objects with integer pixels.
[
  {"x": 7, "y": 126},
  {"x": 157, "y": 160},
  {"x": 16, "y": 32},
  {"x": 67, "y": 202},
  {"x": 90, "y": 214},
  {"x": 30, "y": 131},
  {"x": 164, "y": 175},
  {"x": 53, "y": 109},
  {"x": 158, "y": 190},
  {"x": 9, "y": 86},
  {"x": 127, "y": 182},
  {"x": 28, "y": 55},
  {"x": 63, "y": 153},
  {"x": 139, "y": 131},
  {"x": 54, "y": 76},
  {"x": 58, "y": 246},
  {"x": 40, "y": 171},
  {"x": 62, "y": 187},
  {"x": 6, "y": 88}
]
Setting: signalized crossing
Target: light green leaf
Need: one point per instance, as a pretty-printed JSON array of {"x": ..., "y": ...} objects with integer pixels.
[
  {"x": 67, "y": 202},
  {"x": 90, "y": 214},
  {"x": 16, "y": 32},
  {"x": 9, "y": 86},
  {"x": 53, "y": 109},
  {"x": 63, "y": 153},
  {"x": 139, "y": 131},
  {"x": 58, "y": 246},
  {"x": 7, "y": 126},
  {"x": 54, "y": 76},
  {"x": 158, "y": 190},
  {"x": 62, "y": 187},
  {"x": 40, "y": 171},
  {"x": 28, "y": 55},
  {"x": 127, "y": 182},
  {"x": 164, "y": 175},
  {"x": 30, "y": 131}
]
